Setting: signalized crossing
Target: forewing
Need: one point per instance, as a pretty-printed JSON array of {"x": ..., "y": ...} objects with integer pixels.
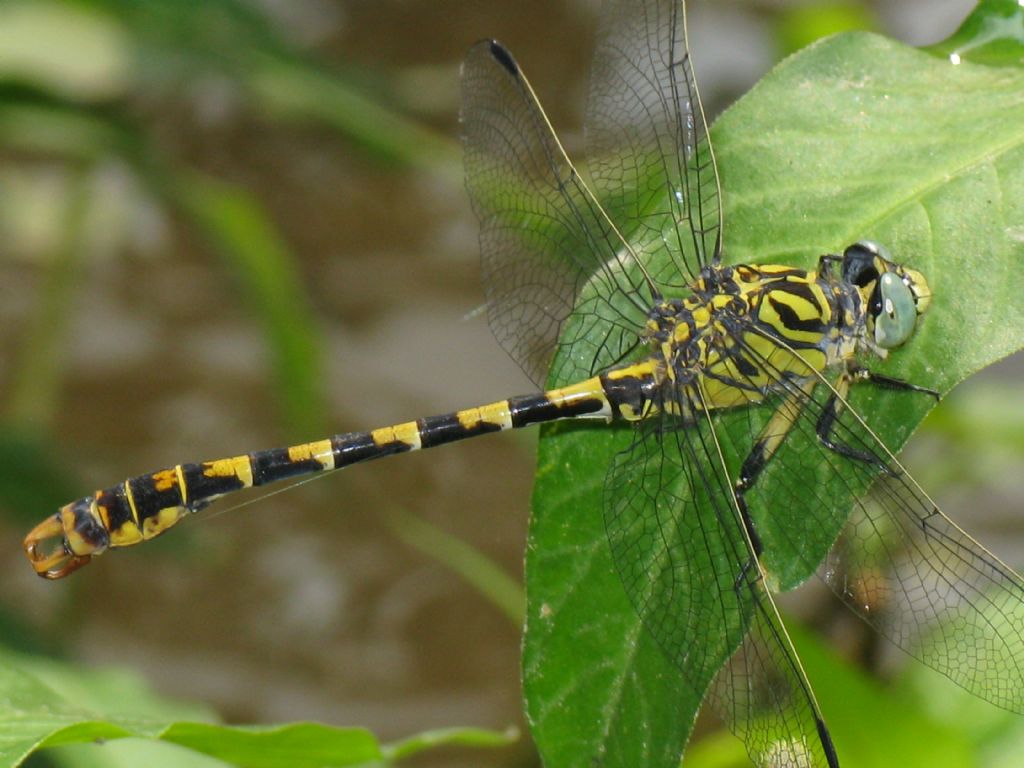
[
  {"x": 686, "y": 566},
  {"x": 649, "y": 154},
  {"x": 542, "y": 234}
]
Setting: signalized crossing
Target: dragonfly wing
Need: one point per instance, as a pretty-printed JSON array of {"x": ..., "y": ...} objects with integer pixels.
[
  {"x": 542, "y": 233},
  {"x": 763, "y": 694},
  {"x": 686, "y": 565},
  {"x": 899, "y": 563},
  {"x": 650, "y": 158},
  {"x": 923, "y": 582}
]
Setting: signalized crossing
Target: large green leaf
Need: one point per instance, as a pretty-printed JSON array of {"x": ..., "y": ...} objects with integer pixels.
[{"x": 855, "y": 137}]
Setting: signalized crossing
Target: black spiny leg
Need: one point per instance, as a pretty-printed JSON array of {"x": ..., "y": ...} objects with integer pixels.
[
  {"x": 834, "y": 406},
  {"x": 771, "y": 437},
  {"x": 860, "y": 373}
]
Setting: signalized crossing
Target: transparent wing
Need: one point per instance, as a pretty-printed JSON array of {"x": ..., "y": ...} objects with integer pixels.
[
  {"x": 685, "y": 563},
  {"x": 542, "y": 233},
  {"x": 933, "y": 590},
  {"x": 649, "y": 155},
  {"x": 763, "y": 694}
]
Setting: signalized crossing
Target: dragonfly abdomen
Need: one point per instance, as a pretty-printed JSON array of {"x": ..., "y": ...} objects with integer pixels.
[{"x": 145, "y": 506}]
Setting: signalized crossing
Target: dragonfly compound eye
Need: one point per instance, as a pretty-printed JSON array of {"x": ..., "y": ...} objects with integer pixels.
[
  {"x": 897, "y": 311},
  {"x": 860, "y": 262}
]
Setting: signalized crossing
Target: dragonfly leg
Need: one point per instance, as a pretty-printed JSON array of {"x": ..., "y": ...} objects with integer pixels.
[
  {"x": 860, "y": 373},
  {"x": 825, "y": 427},
  {"x": 740, "y": 582},
  {"x": 771, "y": 437}
]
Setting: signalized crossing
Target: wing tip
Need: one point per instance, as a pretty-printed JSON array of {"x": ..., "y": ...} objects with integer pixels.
[{"x": 502, "y": 55}]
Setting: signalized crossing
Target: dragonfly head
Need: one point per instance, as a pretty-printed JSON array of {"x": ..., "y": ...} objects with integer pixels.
[{"x": 895, "y": 295}]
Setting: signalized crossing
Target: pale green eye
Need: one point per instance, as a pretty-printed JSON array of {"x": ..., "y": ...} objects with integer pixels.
[{"x": 898, "y": 313}]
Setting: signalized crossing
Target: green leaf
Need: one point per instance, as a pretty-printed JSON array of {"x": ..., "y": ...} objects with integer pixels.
[
  {"x": 463, "y": 737},
  {"x": 297, "y": 745},
  {"x": 992, "y": 34},
  {"x": 48, "y": 704},
  {"x": 855, "y": 137},
  {"x": 128, "y": 753}
]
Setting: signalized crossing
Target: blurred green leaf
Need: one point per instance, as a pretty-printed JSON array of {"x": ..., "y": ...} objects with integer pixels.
[
  {"x": 53, "y": 705},
  {"x": 71, "y": 49},
  {"x": 462, "y": 737},
  {"x": 32, "y": 120},
  {"x": 979, "y": 415},
  {"x": 992, "y": 34},
  {"x": 49, "y": 703},
  {"x": 300, "y": 92},
  {"x": 476, "y": 569},
  {"x": 800, "y": 25},
  {"x": 99, "y": 50},
  {"x": 32, "y": 478},
  {"x": 975, "y": 440},
  {"x": 264, "y": 266},
  {"x": 124, "y": 753},
  {"x": 876, "y": 727},
  {"x": 38, "y": 373},
  {"x": 288, "y": 746}
]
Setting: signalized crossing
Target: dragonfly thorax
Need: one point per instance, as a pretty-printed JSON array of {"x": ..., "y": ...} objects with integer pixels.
[{"x": 747, "y": 331}]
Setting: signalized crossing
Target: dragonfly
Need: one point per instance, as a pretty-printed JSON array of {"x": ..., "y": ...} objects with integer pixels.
[{"x": 612, "y": 292}]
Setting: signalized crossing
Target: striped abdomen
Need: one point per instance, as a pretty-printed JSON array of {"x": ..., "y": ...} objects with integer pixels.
[{"x": 145, "y": 506}]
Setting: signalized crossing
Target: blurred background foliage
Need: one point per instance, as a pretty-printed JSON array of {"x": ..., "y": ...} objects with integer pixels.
[{"x": 231, "y": 224}]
